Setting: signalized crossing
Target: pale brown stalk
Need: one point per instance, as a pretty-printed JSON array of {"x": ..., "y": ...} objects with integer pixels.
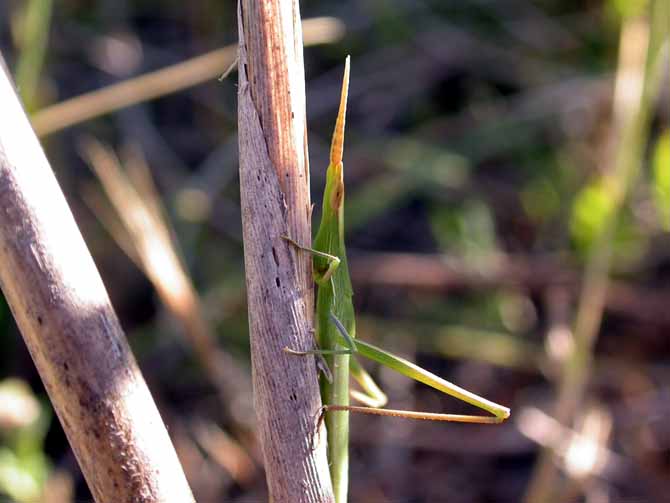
[{"x": 64, "y": 314}]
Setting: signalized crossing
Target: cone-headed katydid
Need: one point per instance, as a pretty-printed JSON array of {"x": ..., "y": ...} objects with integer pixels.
[{"x": 336, "y": 331}]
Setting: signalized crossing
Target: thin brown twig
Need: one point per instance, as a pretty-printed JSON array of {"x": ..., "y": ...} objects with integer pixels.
[{"x": 437, "y": 272}]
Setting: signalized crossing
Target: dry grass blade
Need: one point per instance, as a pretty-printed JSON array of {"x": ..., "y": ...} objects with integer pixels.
[
  {"x": 140, "y": 177},
  {"x": 137, "y": 207},
  {"x": 226, "y": 452},
  {"x": 168, "y": 80},
  {"x": 106, "y": 215}
]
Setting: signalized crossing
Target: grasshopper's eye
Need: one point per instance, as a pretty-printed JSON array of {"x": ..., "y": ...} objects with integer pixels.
[{"x": 338, "y": 195}]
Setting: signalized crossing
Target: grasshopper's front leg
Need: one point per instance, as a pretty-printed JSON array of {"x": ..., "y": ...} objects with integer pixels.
[
  {"x": 333, "y": 261},
  {"x": 372, "y": 395},
  {"x": 333, "y": 264}
]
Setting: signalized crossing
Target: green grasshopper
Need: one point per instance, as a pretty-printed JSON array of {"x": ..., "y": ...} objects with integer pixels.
[{"x": 336, "y": 330}]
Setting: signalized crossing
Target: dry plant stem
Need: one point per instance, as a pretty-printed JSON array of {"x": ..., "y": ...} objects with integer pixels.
[
  {"x": 633, "y": 99},
  {"x": 274, "y": 186},
  {"x": 161, "y": 82},
  {"x": 435, "y": 272},
  {"x": 71, "y": 330}
]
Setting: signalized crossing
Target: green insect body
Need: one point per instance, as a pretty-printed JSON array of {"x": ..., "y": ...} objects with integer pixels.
[
  {"x": 336, "y": 331},
  {"x": 335, "y": 295}
]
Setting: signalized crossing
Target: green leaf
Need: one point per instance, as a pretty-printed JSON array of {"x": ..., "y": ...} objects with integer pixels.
[
  {"x": 591, "y": 210},
  {"x": 22, "y": 478},
  {"x": 661, "y": 170},
  {"x": 628, "y": 8}
]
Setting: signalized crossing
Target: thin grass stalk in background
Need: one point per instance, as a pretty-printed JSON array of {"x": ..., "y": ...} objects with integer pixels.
[{"x": 636, "y": 88}]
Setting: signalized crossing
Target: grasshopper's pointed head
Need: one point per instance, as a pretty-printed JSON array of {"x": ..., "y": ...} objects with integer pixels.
[
  {"x": 337, "y": 145},
  {"x": 330, "y": 235},
  {"x": 335, "y": 176}
]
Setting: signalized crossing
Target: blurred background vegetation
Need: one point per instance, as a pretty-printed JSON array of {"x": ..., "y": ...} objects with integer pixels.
[{"x": 508, "y": 206}]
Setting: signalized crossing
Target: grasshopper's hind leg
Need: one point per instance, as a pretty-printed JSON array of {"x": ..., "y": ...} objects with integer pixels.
[{"x": 371, "y": 394}]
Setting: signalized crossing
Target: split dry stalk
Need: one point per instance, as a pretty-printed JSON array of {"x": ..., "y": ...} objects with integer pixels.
[
  {"x": 274, "y": 186},
  {"x": 64, "y": 314}
]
